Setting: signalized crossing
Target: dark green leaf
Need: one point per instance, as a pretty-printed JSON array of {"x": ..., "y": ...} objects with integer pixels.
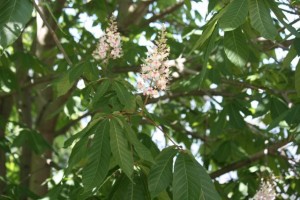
[
  {"x": 13, "y": 18},
  {"x": 297, "y": 79},
  {"x": 95, "y": 171},
  {"x": 160, "y": 175},
  {"x": 140, "y": 149},
  {"x": 191, "y": 181},
  {"x": 235, "y": 15},
  {"x": 119, "y": 147}
]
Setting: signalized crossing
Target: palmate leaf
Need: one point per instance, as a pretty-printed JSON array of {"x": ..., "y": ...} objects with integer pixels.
[
  {"x": 14, "y": 14},
  {"x": 160, "y": 175},
  {"x": 190, "y": 181},
  {"x": 235, "y": 15},
  {"x": 119, "y": 147},
  {"x": 235, "y": 47},
  {"x": 95, "y": 171},
  {"x": 261, "y": 19}
]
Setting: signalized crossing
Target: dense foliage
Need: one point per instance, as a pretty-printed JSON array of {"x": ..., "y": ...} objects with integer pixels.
[{"x": 78, "y": 126}]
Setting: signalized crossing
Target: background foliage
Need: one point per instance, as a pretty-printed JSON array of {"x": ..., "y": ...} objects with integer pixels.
[{"x": 233, "y": 108}]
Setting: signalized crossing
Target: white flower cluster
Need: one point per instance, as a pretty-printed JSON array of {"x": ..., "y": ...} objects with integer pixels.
[
  {"x": 266, "y": 192},
  {"x": 109, "y": 45},
  {"x": 155, "y": 70}
]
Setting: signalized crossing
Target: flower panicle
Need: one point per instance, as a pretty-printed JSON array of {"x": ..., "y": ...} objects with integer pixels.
[
  {"x": 266, "y": 191},
  {"x": 155, "y": 69},
  {"x": 109, "y": 45}
]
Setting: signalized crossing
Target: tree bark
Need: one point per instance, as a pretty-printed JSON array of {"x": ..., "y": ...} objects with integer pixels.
[
  {"x": 40, "y": 170},
  {"x": 5, "y": 109}
]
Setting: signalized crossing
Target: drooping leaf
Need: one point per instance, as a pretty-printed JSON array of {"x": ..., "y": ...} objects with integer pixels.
[
  {"x": 13, "y": 17},
  {"x": 130, "y": 190},
  {"x": 94, "y": 172},
  {"x": 140, "y": 149},
  {"x": 210, "y": 44},
  {"x": 101, "y": 89},
  {"x": 122, "y": 92},
  {"x": 119, "y": 147},
  {"x": 34, "y": 140},
  {"x": 297, "y": 45},
  {"x": 63, "y": 85},
  {"x": 293, "y": 118},
  {"x": 235, "y": 15},
  {"x": 277, "y": 107},
  {"x": 235, "y": 47},
  {"x": 205, "y": 35},
  {"x": 78, "y": 154},
  {"x": 191, "y": 181},
  {"x": 160, "y": 175},
  {"x": 235, "y": 117},
  {"x": 261, "y": 19}
]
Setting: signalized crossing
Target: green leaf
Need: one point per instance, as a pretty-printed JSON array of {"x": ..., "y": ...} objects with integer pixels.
[
  {"x": 63, "y": 85},
  {"x": 191, "y": 181},
  {"x": 297, "y": 79},
  {"x": 140, "y": 149},
  {"x": 70, "y": 141},
  {"x": 95, "y": 171},
  {"x": 297, "y": 45},
  {"x": 101, "y": 89},
  {"x": 261, "y": 19},
  {"x": 210, "y": 44},
  {"x": 278, "y": 119},
  {"x": 188, "y": 4},
  {"x": 34, "y": 140},
  {"x": 160, "y": 175},
  {"x": 293, "y": 116},
  {"x": 277, "y": 107},
  {"x": 13, "y": 17},
  {"x": 235, "y": 15},
  {"x": 289, "y": 57},
  {"x": 122, "y": 92},
  {"x": 119, "y": 147},
  {"x": 130, "y": 190},
  {"x": 78, "y": 154},
  {"x": 205, "y": 35},
  {"x": 235, "y": 117},
  {"x": 235, "y": 47},
  {"x": 281, "y": 17}
]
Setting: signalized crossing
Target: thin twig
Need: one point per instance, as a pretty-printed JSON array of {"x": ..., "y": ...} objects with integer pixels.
[
  {"x": 53, "y": 34},
  {"x": 257, "y": 156},
  {"x": 166, "y": 135},
  {"x": 165, "y": 12}
]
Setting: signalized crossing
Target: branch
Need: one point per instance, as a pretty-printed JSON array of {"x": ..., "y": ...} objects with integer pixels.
[
  {"x": 167, "y": 11},
  {"x": 28, "y": 85},
  {"x": 191, "y": 93},
  {"x": 60, "y": 47},
  {"x": 253, "y": 158},
  {"x": 65, "y": 128}
]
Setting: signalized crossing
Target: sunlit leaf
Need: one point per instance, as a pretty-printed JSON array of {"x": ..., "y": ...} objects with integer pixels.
[
  {"x": 13, "y": 18},
  {"x": 235, "y": 47},
  {"x": 235, "y": 15},
  {"x": 261, "y": 19}
]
